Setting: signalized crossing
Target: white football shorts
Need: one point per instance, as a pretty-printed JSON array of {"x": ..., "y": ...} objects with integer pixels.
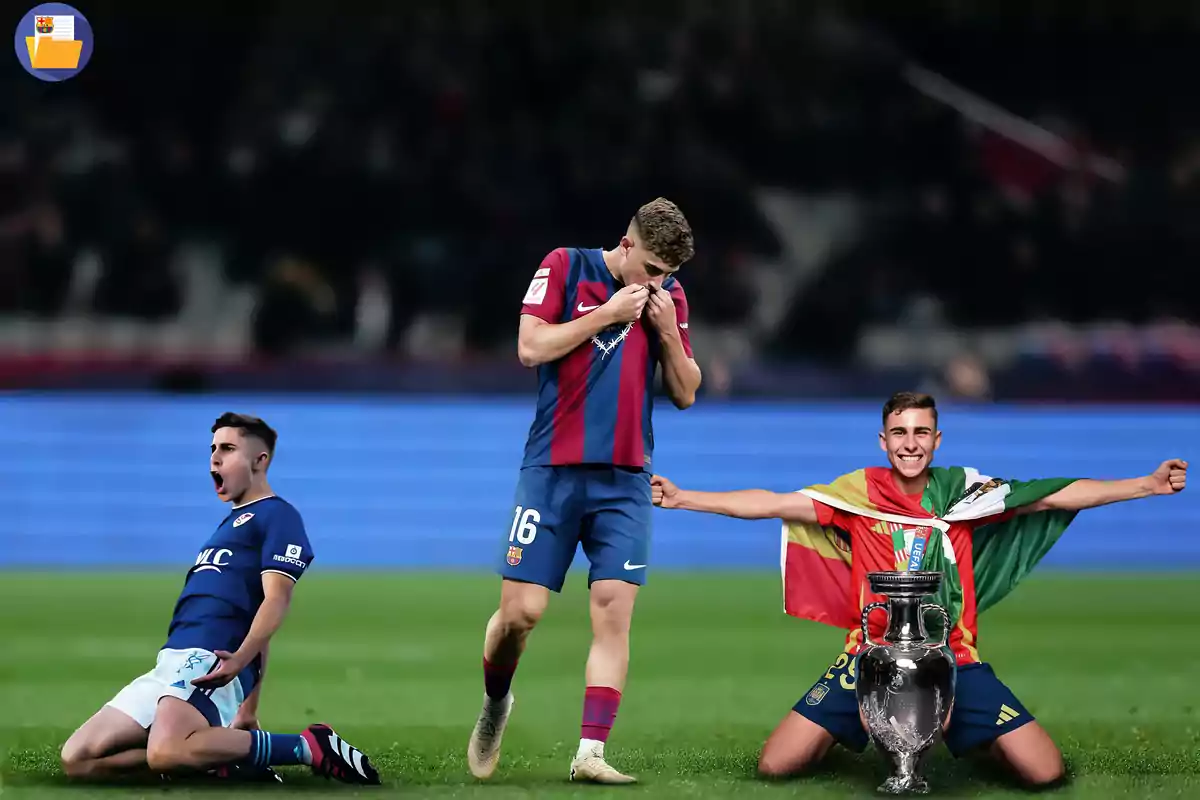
[{"x": 172, "y": 677}]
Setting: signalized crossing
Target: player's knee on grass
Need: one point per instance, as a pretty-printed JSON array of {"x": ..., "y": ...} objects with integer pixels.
[
  {"x": 107, "y": 732},
  {"x": 75, "y": 754},
  {"x": 988, "y": 716},
  {"x": 168, "y": 748},
  {"x": 164, "y": 755},
  {"x": 1031, "y": 755},
  {"x": 77, "y": 757},
  {"x": 796, "y": 745}
]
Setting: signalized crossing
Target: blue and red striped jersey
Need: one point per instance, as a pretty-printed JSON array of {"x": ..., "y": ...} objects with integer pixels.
[{"x": 595, "y": 404}]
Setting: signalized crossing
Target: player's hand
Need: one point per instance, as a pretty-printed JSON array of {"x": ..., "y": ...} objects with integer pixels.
[
  {"x": 245, "y": 720},
  {"x": 660, "y": 308},
  {"x": 663, "y": 493},
  {"x": 231, "y": 665},
  {"x": 1170, "y": 477},
  {"x": 627, "y": 304}
]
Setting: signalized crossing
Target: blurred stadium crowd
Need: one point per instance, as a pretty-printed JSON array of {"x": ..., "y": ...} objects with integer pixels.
[{"x": 386, "y": 180}]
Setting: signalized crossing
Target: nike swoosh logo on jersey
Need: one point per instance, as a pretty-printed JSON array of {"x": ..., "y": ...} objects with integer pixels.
[
  {"x": 584, "y": 309},
  {"x": 634, "y": 566}
]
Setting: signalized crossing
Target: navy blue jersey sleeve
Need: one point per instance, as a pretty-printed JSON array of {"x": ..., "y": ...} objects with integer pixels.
[{"x": 286, "y": 548}]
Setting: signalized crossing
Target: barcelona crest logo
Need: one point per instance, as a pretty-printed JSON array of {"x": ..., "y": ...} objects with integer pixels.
[
  {"x": 45, "y": 24},
  {"x": 514, "y": 555}
]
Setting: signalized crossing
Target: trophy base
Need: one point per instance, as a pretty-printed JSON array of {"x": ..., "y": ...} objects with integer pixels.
[{"x": 908, "y": 784}]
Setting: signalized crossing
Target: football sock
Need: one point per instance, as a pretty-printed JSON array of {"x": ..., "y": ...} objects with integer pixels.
[
  {"x": 497, "y": 679},
  {"x": 278, "y": 749},
  {"x": 599, "y": 712}
]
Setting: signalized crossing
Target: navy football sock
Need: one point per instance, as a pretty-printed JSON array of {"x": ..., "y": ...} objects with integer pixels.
[{"x": 277, "y": 749}]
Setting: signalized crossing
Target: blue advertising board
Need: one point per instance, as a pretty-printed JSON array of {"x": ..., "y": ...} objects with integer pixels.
[{"x": 121, "y": 481}]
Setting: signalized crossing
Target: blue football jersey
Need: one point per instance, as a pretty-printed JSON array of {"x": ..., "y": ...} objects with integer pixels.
[{"x": 223, "y": 589}]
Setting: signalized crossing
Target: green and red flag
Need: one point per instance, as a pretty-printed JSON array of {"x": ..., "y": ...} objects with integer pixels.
[{"x": 816, "y": 560}]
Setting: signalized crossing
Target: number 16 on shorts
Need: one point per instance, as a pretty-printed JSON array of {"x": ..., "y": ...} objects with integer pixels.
[{"x": 523, "y": 532}]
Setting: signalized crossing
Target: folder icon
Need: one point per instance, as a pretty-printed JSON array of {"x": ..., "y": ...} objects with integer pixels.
[{"x": 53, "y": 53}]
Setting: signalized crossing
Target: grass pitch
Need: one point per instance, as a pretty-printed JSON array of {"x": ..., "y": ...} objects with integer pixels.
[{"x": 393, "y": 661}]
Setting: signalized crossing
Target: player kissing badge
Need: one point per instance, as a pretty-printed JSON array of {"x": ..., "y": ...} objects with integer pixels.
[{"x": 514, "y": 555}]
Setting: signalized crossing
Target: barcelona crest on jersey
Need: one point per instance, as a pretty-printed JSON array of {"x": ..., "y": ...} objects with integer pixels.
[{"x": 514, "y": 555}]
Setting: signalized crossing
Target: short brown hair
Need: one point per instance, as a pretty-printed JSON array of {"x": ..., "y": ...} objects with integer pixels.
[
  {"x": 903, "y": 401},
  {"x": 665, "y": 231},
  {"x": 249, "y": 426}
]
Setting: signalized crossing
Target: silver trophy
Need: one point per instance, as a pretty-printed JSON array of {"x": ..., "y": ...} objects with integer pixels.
[{"x": 905, "y": 683}]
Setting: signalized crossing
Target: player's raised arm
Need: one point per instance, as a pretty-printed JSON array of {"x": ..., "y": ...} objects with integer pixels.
[
  {"x": 544, "y": 336},
  {"x": 740, "y": 504},
  {"x": 1169, "y": 478}
]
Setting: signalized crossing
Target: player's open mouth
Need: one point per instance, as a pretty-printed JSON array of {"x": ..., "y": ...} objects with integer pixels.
[
  {"x": 218, "y": 481},
  {"x": 910, "y": 459}
]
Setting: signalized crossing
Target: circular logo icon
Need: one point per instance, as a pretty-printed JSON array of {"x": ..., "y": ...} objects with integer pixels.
[{"x": 53, "y": 42}]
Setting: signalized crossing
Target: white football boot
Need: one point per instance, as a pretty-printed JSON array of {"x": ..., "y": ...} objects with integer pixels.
[
  {"x": 589, "y": 765},
  {"x": 483, "y": 752}
]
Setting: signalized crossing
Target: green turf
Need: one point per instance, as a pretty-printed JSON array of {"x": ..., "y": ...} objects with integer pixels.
[{"x": 392, "y": 660}]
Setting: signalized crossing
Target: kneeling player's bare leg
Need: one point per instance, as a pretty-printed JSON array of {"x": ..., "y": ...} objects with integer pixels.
[
  {"x": 988, "y": 717},
  {"x": 796, "y": 745},
  {"x": 182, "y": 739},
  {"x": 521, "y": 606},
  {"x": 607, "y": 666},
  {"x": 826, "y": 715},
  {"x": 111, "y": 743},
  {"x": 1031, "y": 754}
]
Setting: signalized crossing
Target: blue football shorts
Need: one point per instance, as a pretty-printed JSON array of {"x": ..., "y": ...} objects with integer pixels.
[
  {"x": 606, "y": 509},
  {"x": 984, "y": 708}
]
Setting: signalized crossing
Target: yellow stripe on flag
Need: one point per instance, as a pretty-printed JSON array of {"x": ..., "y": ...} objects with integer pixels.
[
  {"x": 825, "y": 541},
  {"x": 850, "y": 488}
]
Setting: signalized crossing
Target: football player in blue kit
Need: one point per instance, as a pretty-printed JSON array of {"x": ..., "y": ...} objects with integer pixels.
[{"x": 196, "y": 710}]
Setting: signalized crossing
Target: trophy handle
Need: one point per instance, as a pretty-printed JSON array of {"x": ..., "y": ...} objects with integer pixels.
[
  {"x": 867, "y": 609},
  {"x": 945, "y": 623}
]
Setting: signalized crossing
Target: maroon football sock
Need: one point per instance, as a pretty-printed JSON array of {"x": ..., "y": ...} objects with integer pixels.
[
  {"x": 497, "y": 678},
  {"x": 599, "y": 712}
]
